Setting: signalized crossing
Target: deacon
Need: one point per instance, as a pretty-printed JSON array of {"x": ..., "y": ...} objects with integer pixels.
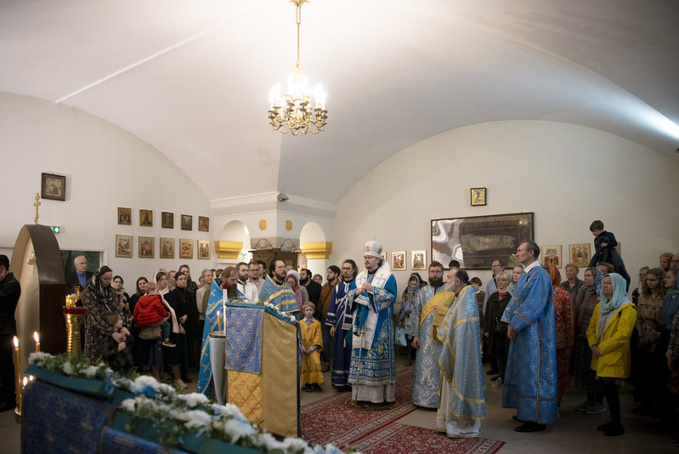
[
  {"x": 276, "y": 291},
  {"x": 373, "y": 370},
  {"x": 462, "y": 405},
  {"x": 340, "y": 319},
  {"x": 432, "y": 300},
  {"x": 530, "y": 377}
]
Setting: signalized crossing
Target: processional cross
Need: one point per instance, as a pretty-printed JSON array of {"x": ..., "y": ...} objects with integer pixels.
[{"x": 37, "y": 205}]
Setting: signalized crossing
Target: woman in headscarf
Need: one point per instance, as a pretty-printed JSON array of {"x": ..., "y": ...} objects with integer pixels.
[
  {"x": 514, "y": 276},
  {"x": 302, "y": 296},
  {"x": 563, "y": 323},
  {"x": 585, "y": 378},
  {"x": 100, "y": 299},
  {"x": 608, "y": 335}
]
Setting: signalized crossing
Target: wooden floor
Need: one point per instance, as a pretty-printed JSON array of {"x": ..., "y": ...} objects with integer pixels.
[{"x": 574, "y": 433}]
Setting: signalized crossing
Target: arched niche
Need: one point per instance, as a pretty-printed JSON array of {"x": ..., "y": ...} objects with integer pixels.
[
  {"x": 234, "y": 239},
  {"x": 312, "y": 241}
]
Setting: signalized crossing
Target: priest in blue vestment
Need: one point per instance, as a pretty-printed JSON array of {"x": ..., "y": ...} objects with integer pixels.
[
  {"x": 373, "y": 370},
  {"x": 530, "y": 377},
  {"x": 340, "y": 319},
  {"x": 420, "y": 326},
  {"x": 276, "y": 291},
  {"x": 462, "y": 404},
  {"x": 214, "y": 317}
]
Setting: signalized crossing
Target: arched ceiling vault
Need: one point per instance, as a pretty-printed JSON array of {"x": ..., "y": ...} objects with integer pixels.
[{"x": 192, "y": 77}]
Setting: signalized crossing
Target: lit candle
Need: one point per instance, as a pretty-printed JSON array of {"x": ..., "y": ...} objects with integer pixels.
[
  {"x": 17, "y": 370},
  {"x": 219, "y": 322},
  {"x": 37, "y": 341}
]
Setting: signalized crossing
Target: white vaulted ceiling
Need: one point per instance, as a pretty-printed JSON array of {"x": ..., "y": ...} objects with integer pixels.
[{"x": 192, "y": 77}]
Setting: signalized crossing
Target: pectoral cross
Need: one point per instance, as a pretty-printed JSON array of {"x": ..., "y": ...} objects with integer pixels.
[{"x": 37, "y": 205}]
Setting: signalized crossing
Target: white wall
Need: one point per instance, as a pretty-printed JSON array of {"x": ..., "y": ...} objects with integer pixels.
[
  {"x": 567, "y": 175},
  {"x": 105, "y": 167}
]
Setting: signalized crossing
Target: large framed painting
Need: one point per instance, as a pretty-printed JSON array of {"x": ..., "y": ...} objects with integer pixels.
[{"x": 478, "y": 240}]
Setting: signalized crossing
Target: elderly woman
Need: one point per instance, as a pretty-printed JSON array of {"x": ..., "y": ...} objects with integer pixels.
[
  {"x": 572, "y": 284},
  {"x": 585, "y": 378},
  {"x": 495, "y": 331},
  {"x": 650, "y": 362},
  {"x": 100, "y": 299},
  {"x": 563, "y": 316},
  {"x": 608, "y": 335},
  {"x": 301, "y": 294}
]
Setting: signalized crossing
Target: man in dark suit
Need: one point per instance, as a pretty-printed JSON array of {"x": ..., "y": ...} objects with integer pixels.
[
  {"x": 9, "y": 297},
  {"x": 79, "y": 277}
]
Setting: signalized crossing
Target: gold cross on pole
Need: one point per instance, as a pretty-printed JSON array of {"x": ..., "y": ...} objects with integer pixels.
[{"x": 36, "y": 205}]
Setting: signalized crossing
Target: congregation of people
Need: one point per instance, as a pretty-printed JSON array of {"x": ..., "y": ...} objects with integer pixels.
[{"x": 537, "y": 334}]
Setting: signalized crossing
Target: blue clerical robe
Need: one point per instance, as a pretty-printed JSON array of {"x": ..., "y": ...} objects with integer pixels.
[
  {"x": 427, "y": 372},
  {"x": 281, "y": 296},
  {"x": 530, "y": 378},
  {"x": 341, "y": 317},
  {"x": 460, "y": 359},
  {"x": 372, "y": 356},
  {"x": 214, "y": 306}
]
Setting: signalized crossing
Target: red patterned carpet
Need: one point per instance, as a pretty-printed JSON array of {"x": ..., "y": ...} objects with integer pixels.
[
  {"x": 414, "y": 440},
  {"x": 330, "y": 420}
]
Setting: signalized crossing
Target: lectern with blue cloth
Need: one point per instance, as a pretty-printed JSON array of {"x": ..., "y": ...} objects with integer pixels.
[{"x": 261, "y": 363}]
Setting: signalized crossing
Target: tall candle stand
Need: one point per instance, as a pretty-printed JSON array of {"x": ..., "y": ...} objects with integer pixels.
[{"x": 74, "y": 320}]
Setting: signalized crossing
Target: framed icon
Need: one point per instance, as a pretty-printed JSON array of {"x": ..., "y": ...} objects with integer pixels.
[
  {"x": 398, "y": 260},
  {"x": 166, "y": 248},
  {"x": 551, "y": 253},
  {"x": 203, "y": 249},
  {"x": 419, "y": 260},
  {"x": 185, "y": 248},
  {"x": 203, "y": 224},
  {"x": 167, "y": 220},
  {"x": 579, "y": 254},
  {"x": 477, "y": 196},
  {"x": 187, "y": 222},
  {"x": 146, "y": 247},
  {"x": 146, "y": 218},
  {"x": 124, "y": 216},
  {"x": 124, "y": 245},
  {"x": 53, "y": 187}
]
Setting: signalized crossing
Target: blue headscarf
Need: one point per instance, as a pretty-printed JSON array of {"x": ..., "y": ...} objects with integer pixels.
[{"x": 619, "y": 294}]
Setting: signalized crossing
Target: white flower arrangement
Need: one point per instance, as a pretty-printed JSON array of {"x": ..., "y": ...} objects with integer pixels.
[
  {"x": 292, "y": 318},
  {"x": 77, "y": 367},
  {"x": 174, "y": 415}
]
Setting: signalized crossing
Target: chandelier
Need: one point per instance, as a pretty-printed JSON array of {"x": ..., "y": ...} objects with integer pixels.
[{"x": 300, "y": 110}]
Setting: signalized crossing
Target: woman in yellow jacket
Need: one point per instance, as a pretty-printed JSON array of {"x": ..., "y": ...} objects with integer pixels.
[{"x": 608, "y": 334}]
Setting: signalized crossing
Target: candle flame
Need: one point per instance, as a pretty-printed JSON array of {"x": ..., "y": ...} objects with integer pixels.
[
  {"x": 36, "y": 337},
  {"x": 25, "y": 381},
  {"x": 16, "y": 342}
]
